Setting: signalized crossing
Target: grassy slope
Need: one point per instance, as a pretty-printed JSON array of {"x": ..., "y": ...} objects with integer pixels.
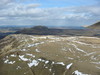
[{"x": 55, "y": 49}]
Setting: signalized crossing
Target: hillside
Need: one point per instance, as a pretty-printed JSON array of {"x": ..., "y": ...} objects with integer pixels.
[
  {"x": 95, "y": 26},
  {"x": 49, "y": 55}
]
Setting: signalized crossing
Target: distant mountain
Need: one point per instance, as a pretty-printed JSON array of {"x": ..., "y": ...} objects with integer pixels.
[{"x": 95, "y": 26}]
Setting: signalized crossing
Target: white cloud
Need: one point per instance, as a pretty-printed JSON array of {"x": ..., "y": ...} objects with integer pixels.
[
  {"x": 25, "y": 14},
  {"x": 5, "y": 1}
]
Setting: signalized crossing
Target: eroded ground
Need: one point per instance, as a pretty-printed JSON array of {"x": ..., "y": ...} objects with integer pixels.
[{"x": 49, "y": 55}]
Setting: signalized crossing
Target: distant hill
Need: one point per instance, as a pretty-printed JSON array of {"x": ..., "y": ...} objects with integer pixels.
[
  {"x": 95, "y": 26},
  {"x": 37, "y": 30},
  {"x": 43, "y": 30}
]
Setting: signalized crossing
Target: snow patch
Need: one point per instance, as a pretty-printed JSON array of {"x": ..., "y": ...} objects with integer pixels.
[
  {"x": 31, "y": 45},
  {"x": 60, "y": 63},
  {"x": 78, "y": 73},
  {"x": 9, "y": 62},
  {"x": 68, "y": 66},
  {"x": 46, "y": 62},
  {"x": 37, "y": 50},
  {"x": 13, "y": 55},
  {"x": 78, "y": 48},
  {"x": 33, "y": 63},
  {"x": 22, "y": 57},
  {"x": 31, "y": 55}
]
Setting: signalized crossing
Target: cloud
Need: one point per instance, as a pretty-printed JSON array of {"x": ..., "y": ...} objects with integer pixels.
[
  {"x": 5, "y": 1},
  {"x": 14, "y": 13}
]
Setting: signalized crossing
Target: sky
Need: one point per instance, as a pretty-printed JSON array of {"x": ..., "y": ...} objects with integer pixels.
[{"x": 49, "y": 12}]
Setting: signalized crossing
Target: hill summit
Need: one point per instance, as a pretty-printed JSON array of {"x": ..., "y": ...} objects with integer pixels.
[{"x": 40, "y": 28}]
